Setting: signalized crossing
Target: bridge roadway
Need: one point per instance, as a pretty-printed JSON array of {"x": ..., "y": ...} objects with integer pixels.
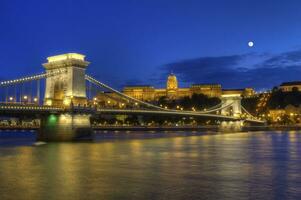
[{"x": 19, "y": 109}]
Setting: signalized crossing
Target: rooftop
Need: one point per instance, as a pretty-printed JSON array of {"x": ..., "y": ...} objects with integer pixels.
[
  {"x": 206, "y": 84},
  {"x": 138, "y": 86},
  {"x": 291, "y": 83}
]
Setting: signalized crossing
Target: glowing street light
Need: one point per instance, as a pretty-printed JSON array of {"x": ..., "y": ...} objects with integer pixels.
[
  {"x": 25, "y": 97},
  {"x": 11, "y": 98},
  {"x": 35, "y": 99}
]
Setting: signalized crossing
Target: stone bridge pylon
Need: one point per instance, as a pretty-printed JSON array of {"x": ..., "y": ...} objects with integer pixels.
[
  {"x": 69, "y": 86},
  {"x": 235, "y": 101}
]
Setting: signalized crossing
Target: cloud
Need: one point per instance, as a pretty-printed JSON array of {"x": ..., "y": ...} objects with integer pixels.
[{"x": 236, "y": 71}]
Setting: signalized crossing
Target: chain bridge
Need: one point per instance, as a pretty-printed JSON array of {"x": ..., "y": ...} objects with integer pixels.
[{"x": 64, "y": 104}]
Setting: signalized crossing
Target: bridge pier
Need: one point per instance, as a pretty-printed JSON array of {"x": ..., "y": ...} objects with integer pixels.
[
  {"x": 65, "y": 127},
  {"x": 231, "y": 126}
]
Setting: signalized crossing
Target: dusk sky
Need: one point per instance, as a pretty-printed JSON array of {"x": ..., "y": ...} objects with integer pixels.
[{"x": 139, "y": 42}]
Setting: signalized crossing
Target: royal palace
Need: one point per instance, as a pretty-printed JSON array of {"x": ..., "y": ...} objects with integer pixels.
[{"x": 172, "y": 91}]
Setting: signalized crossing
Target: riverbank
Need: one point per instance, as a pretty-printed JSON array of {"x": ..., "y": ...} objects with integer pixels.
[
  {"x": 168, "y": 128},
  {"x": 193, "y": 128}
]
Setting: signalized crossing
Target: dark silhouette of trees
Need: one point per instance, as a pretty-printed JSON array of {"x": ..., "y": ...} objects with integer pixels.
[
  {"x": 280, "y": 99},
  {"x": 197, "y": 101}
]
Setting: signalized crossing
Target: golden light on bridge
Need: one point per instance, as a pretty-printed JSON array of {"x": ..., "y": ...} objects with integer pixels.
[{"x": 66, "y": 57}]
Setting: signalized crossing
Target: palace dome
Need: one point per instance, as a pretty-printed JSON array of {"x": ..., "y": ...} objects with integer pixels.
[{"x": 172, "y": 82}]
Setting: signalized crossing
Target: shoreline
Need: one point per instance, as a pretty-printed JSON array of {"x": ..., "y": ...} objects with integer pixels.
[{"x": 162, "y": 128}]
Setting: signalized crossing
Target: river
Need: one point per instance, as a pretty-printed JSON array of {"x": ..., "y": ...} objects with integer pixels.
[{"x": 125, "y": 165}]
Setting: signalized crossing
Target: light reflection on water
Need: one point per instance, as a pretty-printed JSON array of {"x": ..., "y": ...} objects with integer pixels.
[{"x": 259, "y": 165}]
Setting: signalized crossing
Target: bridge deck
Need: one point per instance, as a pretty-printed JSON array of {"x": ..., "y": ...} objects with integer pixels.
[{"x": 35, "y": 109}]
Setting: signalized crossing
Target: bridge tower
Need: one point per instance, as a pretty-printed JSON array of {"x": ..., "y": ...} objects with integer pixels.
[
  {"x": 69, "y": 86},
  {"x": 235, "y": 108}
]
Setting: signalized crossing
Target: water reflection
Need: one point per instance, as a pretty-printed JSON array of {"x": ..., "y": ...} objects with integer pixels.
[{"x": 261, "y": 165}]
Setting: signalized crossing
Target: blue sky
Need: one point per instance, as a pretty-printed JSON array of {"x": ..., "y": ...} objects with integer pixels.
[{"x": 140, "y": 42}]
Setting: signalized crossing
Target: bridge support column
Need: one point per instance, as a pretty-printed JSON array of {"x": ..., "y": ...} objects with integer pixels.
[
  {"x": 231, "y": 126},
  {"x": 69, "y": 86},
  {"x": 65, "y": 127},
  {"x": 235, "y": 100}
]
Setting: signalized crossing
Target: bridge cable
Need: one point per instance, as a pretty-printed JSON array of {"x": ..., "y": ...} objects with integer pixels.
[
  {"x": 32, "y": 78},
  {"x": 248, "y": 112},
  {"x": 96, "y": 82}
]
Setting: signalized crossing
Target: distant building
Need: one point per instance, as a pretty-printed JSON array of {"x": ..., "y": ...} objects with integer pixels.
[
  {"x": 276, "y": 114},
  {"x": 172, "y": 90},
  {"x": 290, "y": 86},
  {"x": 289, "y": 111}
]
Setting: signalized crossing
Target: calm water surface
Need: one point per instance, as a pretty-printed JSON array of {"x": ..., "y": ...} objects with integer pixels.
[{"x": 258, "y": 165}]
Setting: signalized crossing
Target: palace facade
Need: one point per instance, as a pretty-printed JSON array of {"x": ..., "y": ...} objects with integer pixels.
[{"x": 172, "y": 90}]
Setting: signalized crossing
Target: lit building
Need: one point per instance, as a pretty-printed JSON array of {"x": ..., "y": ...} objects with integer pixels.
[
  {"x": 276, "y": 114},
  {"x": 142, "y": 92},
  {"x": 211, "y": 90},
  {"x": 288, "y": 112},
  {"x": 172, "y": 90},
  {"x": 290, "y": 86}
]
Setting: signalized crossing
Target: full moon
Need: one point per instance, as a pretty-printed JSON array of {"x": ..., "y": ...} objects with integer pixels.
[{"x": 250, "y": 44}]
